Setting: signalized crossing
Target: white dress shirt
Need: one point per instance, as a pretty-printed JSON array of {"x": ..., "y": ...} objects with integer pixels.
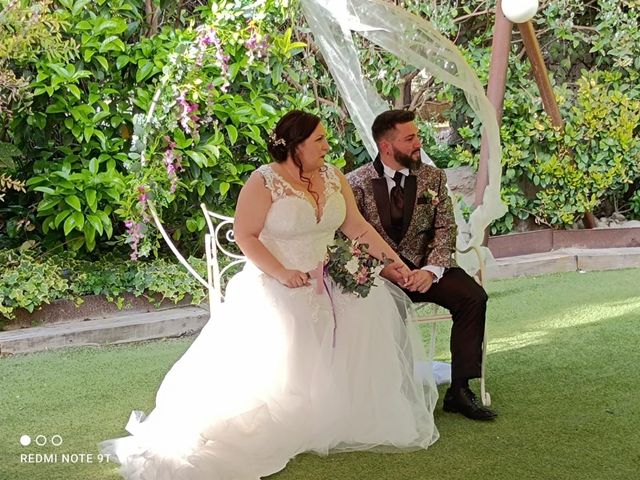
[{"x": 389, "y": 173}]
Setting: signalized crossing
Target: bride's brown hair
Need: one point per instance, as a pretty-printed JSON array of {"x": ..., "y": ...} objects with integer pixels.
[{"x": 291, "y": 130}]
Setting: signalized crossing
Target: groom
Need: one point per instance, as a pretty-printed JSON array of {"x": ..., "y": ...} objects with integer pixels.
[{"x": 407, "y": 202}]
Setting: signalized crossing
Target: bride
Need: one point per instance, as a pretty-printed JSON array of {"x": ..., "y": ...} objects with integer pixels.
[{"x": 284, "y": 368}]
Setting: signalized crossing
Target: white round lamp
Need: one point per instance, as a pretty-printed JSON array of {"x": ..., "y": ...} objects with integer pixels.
[{"x": 519, "y": 11}]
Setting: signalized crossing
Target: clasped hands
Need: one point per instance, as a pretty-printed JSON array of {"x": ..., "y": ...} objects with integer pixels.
[
  {"x": 412, "y": 280},
  {"x": 398, "y": 273}
]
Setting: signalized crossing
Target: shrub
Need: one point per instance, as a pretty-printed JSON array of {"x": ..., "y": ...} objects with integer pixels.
[{"x": 30, "y": 279}]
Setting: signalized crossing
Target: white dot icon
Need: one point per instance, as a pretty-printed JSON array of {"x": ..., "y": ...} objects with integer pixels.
[{"x": 25, "y": 440}]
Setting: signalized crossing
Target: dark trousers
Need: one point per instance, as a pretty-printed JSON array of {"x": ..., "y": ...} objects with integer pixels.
[{"x": 467, "y": 302}]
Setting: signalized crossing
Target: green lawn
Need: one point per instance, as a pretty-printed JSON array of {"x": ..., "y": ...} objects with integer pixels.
[{"x": 562, "y": 357}]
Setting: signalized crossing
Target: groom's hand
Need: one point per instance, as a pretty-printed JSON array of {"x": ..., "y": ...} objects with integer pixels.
[{"x": 420, "y": 281}]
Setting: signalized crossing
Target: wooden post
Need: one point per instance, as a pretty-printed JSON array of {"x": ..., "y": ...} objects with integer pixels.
[
  {"x": 532, "y": 47},
  {"x": 496, "y": 86},
  {"x": 500, "y": 46}
]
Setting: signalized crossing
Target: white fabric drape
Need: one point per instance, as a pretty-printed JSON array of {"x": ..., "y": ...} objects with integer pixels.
[{"x": 415, "y": 41}]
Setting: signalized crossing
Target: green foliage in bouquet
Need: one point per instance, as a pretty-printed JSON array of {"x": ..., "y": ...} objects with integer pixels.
[{"x": 351, "y": 267}]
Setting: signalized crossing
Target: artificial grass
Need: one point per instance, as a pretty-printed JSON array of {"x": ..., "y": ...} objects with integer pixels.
[{"x": 562, "y": 372}]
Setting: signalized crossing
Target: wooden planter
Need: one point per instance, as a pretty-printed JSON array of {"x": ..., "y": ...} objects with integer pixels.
[
  {"x": 93, "y": 307},
  {"x": 540, "y": 241}
]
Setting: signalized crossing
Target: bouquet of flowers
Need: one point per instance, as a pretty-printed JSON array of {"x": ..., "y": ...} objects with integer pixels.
[{"x": 351, "y": 267}]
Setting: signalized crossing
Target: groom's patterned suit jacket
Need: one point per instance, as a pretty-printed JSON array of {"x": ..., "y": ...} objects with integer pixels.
[{"x": 428, "y": 235}]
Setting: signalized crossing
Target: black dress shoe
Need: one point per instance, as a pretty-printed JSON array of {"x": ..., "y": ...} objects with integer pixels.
[{"x": 464, "y": 401}]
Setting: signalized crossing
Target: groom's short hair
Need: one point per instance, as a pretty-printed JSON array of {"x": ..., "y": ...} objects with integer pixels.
[{"x": 388, "y": 120}]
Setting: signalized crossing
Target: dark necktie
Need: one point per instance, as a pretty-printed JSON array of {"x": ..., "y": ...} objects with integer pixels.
[{"x": 396, "y": 198}]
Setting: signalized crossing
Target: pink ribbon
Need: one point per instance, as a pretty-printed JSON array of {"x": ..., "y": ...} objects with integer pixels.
[{"x": 320, "y": 276}]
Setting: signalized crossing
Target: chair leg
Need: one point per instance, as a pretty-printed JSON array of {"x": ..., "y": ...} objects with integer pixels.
[
  {"x": 432, "y": 341},
  {"x": 484, "y": 395}
]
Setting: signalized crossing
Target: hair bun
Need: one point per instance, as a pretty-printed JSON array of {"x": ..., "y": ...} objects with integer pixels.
[
  {"x": 290, "y": 131},
  {"x": 278, "y": 150}
]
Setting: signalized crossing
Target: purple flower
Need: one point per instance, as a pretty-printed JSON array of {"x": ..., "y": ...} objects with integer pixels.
[
  {"x": 223, "y": 62},
  {"x": 170, "y": 143},
  {"x": 208, "y": 36},
  {"x": 134, "y": 235},
  {"x": 171, "y": 161},
  {"x": 252, "y": 42},
  {"x": 256, "y": 44},
  {"x": 142, "y": 197},
  {"x": 188, "y": 120}
]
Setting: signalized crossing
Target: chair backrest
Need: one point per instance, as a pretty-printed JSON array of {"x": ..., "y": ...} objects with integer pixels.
[{"x": 217, "y": 241}]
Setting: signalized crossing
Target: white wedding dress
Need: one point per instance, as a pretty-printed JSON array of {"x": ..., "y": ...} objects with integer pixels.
[{"x": 280, "y": 371}]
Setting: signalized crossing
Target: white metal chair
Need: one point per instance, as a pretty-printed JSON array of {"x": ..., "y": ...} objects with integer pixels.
[
  {"x": 221, "y": 227},
  {"x": 438, "y": 314}
]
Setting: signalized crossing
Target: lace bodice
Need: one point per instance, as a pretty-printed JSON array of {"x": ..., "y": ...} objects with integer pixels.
[{"x": 291, "y": 230}]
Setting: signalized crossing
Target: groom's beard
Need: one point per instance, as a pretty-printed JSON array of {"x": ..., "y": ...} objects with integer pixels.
[{"x": 407, "y": 161}]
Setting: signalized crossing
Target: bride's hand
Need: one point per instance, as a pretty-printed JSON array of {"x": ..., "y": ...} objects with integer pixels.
[
  {"x": 293, "y": 278},
  {"x": 397, "y": 272}
]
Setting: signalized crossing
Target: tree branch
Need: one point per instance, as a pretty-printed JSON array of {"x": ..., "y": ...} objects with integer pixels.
[
  {"x": 473, "y": 14},
  {"x": 407, "y": 96},
  {"x": 178, "y": 11},
  {"x": 418, "y": 96},
  {"x": 151, "y": 16},
  {"x": 341, "y": 112}
]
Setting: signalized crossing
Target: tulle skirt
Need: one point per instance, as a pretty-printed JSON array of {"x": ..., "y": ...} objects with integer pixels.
[{"x": 279, "y": 371}]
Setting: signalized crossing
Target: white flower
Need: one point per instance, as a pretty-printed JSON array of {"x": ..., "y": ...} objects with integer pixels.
[
  {"x": 432, "y": 196},
  {"x": 352, "y": 266}
]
